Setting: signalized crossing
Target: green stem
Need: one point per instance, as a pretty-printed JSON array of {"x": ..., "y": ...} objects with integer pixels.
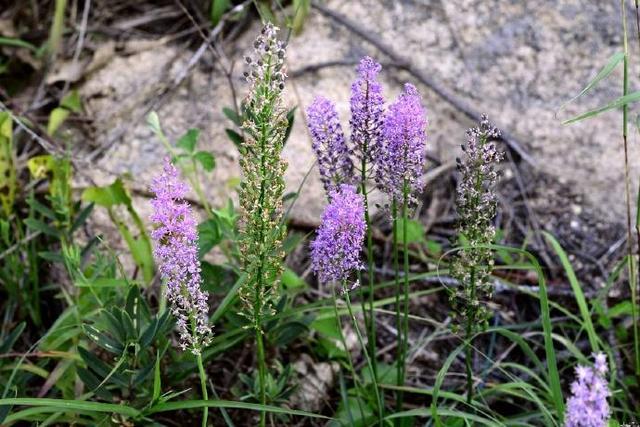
[
  {"x": 346, "y": 349},
  {"x": 367, "y": 358},
  {"x": 405, "y": 249},
  {"x": 468, "y": 350},
  {"x": 262, "y": 369},
  {"x": 203, "y": 385},
  {"x": 632, "y": 272},
  {"x": 396, "y": 268},
  {"x": 371, "y": 324}
]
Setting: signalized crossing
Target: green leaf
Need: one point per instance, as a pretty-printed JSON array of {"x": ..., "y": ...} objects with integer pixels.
[
  {"x": 356, "y": 413},
  {"x": 415, "y": 231},
  {"x": 292, "y": 281},
  {"x": 103, "y": 340},
  {"x": 301, "y": 8},
  {"x": 13, "y": 42},
  {"x": 206, "y": 160},
  {"x": 209, "y": 236},
  {"x": 157, "y": 380},
  {"x": 291, "y": 114},
  {"x": 56, "y": 118},
  {"x": 107, "y": 196},
  {"x": 194, "y": 404},
  {"x": 284, "y": 334},
  {"x": 188, "y": 141},
  {"x": 8, "y": 342},
  {"x": 40, "y": 226},
  {"x": 72, "y": 102},
  {"x": 228, "y": 299},
  {"x": 617, "y": 103},
  {"x": 615, "y": 59},
  {"x": 218, "y": 8},
  {"x": 72, "y": 405},
  {"x": 577, "y": 291},
  {"x": 154, "y": 123},
  {"x": 235, "y": 137},
  {"x": 233, "y": 116}
]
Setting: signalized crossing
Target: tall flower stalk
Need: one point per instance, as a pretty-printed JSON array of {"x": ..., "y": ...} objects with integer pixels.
[
  {"x": 476, "y": 205},
  {"x": 367, "y": 115},
  {"x": 262, "y": 187},
  {"x": 176, "y": 253},
  {"x": 335, "y": 255},
  {"x": 399, "y": 168}
]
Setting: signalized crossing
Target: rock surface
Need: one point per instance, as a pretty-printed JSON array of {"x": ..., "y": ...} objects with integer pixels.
[{"x": 516, "y": 61}]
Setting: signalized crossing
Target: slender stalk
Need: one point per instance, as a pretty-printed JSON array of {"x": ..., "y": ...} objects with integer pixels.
[
  {"x": 203, "y": 385},
  {"x": 630, "y": 255},
  {"x": 367, "y": 358},
  {"x": 343, "y": 341},
  {"x": 262, "y": 370},
  {"x": 371, "y": 324},
  {"x": 405, "y": 318},
  {"x": 396, "y": 268}
]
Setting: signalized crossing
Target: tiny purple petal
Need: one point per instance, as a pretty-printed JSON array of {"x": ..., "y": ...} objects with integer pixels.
[
  {"x": 176, "y": 253},
  {"x": 367, "y": 110},
  {"x": 401, "y": 159},
  {"x": 335, "y": 252},
  {"x": 588, "y": 406},
  {"x": 329, "y": 145}
]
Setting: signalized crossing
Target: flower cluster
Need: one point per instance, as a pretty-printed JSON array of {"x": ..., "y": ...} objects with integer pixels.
[
  {"x": 588, "y": 407},
  {"x": 476, "y": 205},
  {"x": 266, "y": 67},
  {"x": 176, "y": 253},
  {"x": 335, "y": 252},
  {"x": 367, "y": 111},
  {"x": 329, "y": 145},
  {"x": 400, "y": 160},
  {"x": 262, "y": 187}
]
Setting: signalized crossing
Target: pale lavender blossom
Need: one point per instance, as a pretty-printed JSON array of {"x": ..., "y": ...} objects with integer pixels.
[
  {"x": 329, "y": 145},
  {"x": 588, "y": 406},
  {"x": 402, "y": 155},
  {"x": 335, "y": 252},
  {"x": 367, "y": 111},
  {"x": 176, "y": 252}
]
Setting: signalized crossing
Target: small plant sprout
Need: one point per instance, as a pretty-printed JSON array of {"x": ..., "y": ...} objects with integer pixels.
[
  {"x": 476, "y": 205},
  {"x": 399, "y": 168},
  {"x": 262, "y": 187},
  {"x": 176, "y": 253},
  {"x": 588, "y": 406}
]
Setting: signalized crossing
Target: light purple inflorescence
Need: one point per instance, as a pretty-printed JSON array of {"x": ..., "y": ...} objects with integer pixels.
[
  {"x": 329, "y": 145},
  {"x": 588, "y": 407},
  {"x": 401, "y": 158},
  {"x": 335, "y": 252},
  {"x": 176, "y": 252},
  {"x": 367, "y": 111}
]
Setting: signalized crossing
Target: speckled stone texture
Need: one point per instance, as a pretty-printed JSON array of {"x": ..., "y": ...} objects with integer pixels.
[{"x": 517, "y": 61}]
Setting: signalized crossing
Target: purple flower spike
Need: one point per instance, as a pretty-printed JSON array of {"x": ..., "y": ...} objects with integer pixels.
[
  {"x": 334, "y": 161},
  {"x": 336, "y": 251},
  {"x": 367, "y": 110},
  {"x": 176, "y": 253},
  {"x": 402, "y": 156},
  {"x": 588, "y": 407}
]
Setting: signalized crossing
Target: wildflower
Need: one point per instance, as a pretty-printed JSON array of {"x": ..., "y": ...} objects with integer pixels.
[
  {"x": 401, "y": 159},
  {"x": 476, "y": 205},
  {"x": 176, "y": 253},
  {"x": 336, "y": 250},
  {"x": 262, "y": 188},
  {"x": 587, "y": 406},
  {"x": 367, "y": 110},
  {"x": 334, "y": 161}
]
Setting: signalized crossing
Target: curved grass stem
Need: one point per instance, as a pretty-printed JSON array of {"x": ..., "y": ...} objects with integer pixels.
[{"x": 203, "y": 385}]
